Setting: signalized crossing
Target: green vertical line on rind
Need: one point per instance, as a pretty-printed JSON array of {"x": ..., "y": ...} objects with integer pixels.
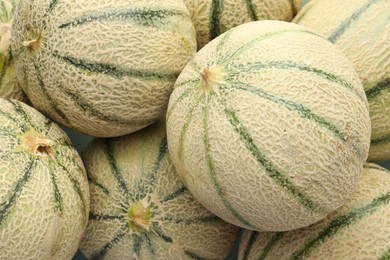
[
  {"x": 137, "y": 243},
  {"x": 219, "y": 49},
  {"x": 48, "y": 97},
  {"x": 350, "y": 20},
  {"x": 108, "y": 246},
  {"x": 194, "y": 220},
  {"x": 10, "y": 117},
  {"x": 378, "y": 88},
  {"x": 215, "y": 29},
  {"x": 99, "y": 185},
  {"x": 251, "y": 10},
  {"x": 160, "y": 233},
  {"x": 57, "y": 194},
  {"x": 52, "y": 5},
  {"x": 270, "y": 244},
  {"x": 47, "y": 126},
  {"x": 21, "y": 112},
  {"x": 177, "y": 193},
  {"x": 16, "y": 192},
  {"x": 193, "y": 255},
  {"x": 303, "y": 111},
  {"x": 380, "y": 140},
  {"x": 7, "y": 155},
  {"x": 385, "y": 255},
  {"x": 183, "y": 95},
  {"x": 287, "y": 65},
  {"x": 250, "y": 43},
  {"x": 147, "y": 17},
  {"x": 143, "y": 187},
  {"x": 116, "y": 172},
  {"x": 213, "y": 173},
  {"x": 252, "y": 239},
  {"x": 279, "y": 178},
  {"x": 185, "y": 127},
  {"x": 98, "y": 217},
  {"x": 146, "y": 237},
  {"x": 339, "y": 222}
]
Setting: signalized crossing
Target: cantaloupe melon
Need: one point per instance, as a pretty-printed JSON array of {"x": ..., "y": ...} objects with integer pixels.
[
  {"x": 139, "y": 207},
  {"x": 213, "y": 17},
  {"x": 360, "y": 229},
  {"x": 104, "y": 68},
  {"x": 268, "y": 126},
  {"x": 9, "y": 86},
  {"x": 361, "y": 29},
  {"x": 44, "y": 195}
]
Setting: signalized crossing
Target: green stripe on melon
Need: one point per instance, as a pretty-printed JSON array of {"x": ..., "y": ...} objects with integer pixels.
[
  {"x": 357, "y": 230},
  {"x": 101, "y": 69},
  {"x": 144, "y": 211},
  {"x": 360, "y": 29},
  {"x": 44, "y": 196},
  {"x": 9, "y": 87},
  {"x": 260, "y": 125},
  {"x": 211, "y": 18}
]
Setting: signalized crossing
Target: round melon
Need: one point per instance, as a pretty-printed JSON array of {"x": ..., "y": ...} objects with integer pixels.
[
  {"x": 9, "y": 86},
  {"x": 213, "y": 17},
  {"x": 139, "y": 207},
  {"x": 103, "y": 68},
  {"x": 44, "y": 195},
  {"x": 361, "y": 29},
  {"x": 358, "y": 230},
  {"x": 268, "y": 126}
]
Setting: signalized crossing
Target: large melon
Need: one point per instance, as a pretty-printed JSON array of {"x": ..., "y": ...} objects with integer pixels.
[
  {"x": 360, "y": 229},
  {"x": 9, "y": 86},
  {"x": 104, "y": 68},
  {"x": 213, "y": 17},
  {"x": 361, "y": 29},
  {"x": 44, "y": 196},
  {"x": 139, "y": 207},
  {"x": 268, "y": 126}
]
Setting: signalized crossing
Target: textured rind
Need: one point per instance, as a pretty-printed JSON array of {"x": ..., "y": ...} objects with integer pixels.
[
  {"x": 35, "y": 221},
  {"x": 104, "y": 68},
  {"x": 366, "y": 43},
  {"x": 127, "y": 169},
  {"x": 286, "y": 123},
  {"x": 367, "y": 238},
  {"x": 9, "y": 86},
  {"x": 232, "y": 13}
]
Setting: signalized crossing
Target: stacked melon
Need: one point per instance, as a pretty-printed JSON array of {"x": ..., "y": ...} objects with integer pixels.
[{"x": 267, "y": 127}]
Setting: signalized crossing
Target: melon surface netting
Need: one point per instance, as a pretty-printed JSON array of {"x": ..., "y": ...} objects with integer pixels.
[
  {"x": 105, "y": 68},
  {"x": 361, "y": 29},
  {"x": 358, "y": 230},
  {"x": 44, "y": 195},
  {"x": 139, "y": 207},
  {"x": 268, "y": 126}
]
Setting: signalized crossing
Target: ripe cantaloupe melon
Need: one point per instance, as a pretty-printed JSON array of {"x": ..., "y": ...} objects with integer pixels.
[
  {"x": 361, "y": 29},
  {"x": 358, "y": 230},
  {"x": 213, "y": 17},
  {"x": 9, "y": 86},
  {"x": 44, "y": 195},
  {"x": 268, "y": 126},
  {"x": 139, "y": 207},
  {"x": 104, "y": 68}
]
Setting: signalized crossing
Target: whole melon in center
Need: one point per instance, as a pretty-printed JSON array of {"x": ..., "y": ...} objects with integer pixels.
[{"x": 268, "y": 126}]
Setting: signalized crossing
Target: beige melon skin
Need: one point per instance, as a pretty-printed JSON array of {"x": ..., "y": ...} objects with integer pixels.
[
  {"x": 268, "y": 126},
  {"x": 136, "y": 171},
  {"x": 9, "y": 86},
  {"x": 213, "y": 17},
  {"x": 104, "y": 68},
  {"x": 358, "y": 230},
  {"x": 361, "y": 29},
  {"x": 44, "y": 194}
]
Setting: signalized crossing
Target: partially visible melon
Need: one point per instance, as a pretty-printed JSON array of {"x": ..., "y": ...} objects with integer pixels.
[
  {"x": 44, "y": 195},
  {"x": 103, "y": 68},
  {"x": 213, "y": 17},
  {"x": 360, "y": 229},
  {"x": 268, "y": 126},
  {"x": 361, "y": 29},
  {"x": 139, "y": 207},
  {"x": 9, "y": 86}
]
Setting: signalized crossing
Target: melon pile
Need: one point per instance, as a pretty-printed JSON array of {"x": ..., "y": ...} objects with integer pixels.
[{"x": 205, "y": 119}]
